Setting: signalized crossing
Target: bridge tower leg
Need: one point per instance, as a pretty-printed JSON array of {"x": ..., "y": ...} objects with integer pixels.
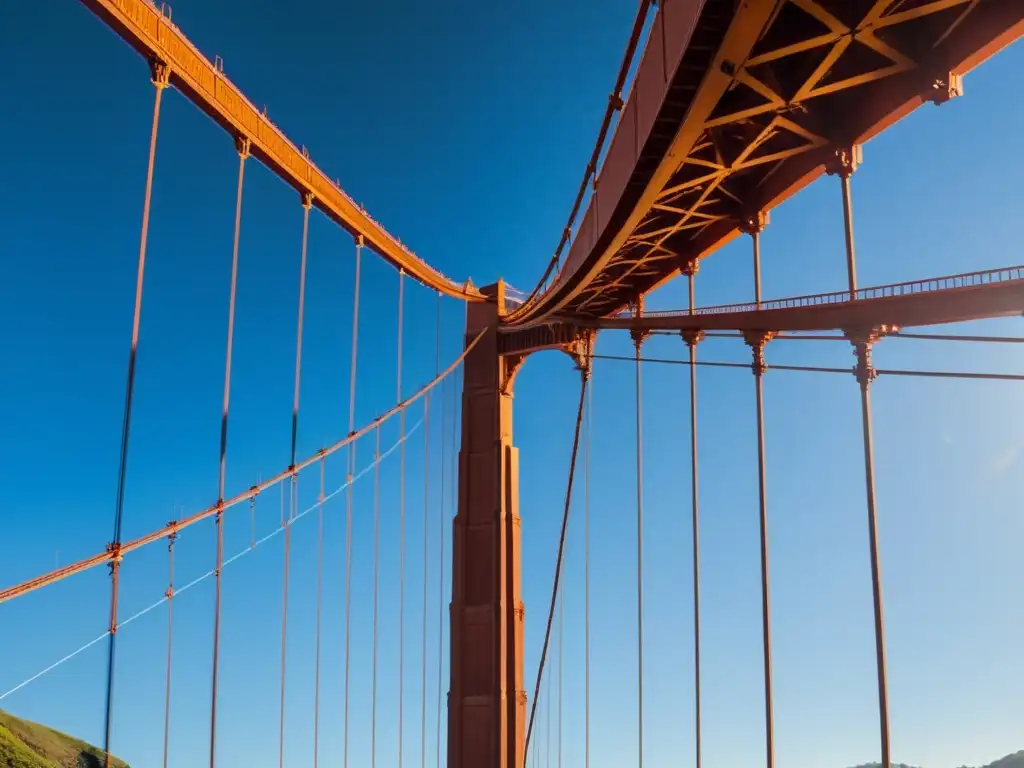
[{"x": 487, "y": 700}]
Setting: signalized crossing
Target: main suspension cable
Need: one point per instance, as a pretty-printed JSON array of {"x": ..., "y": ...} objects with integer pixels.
[
  {"x": 107, "y": 555},
  {"x": 348, "y": 495},
  {"x": 558, "y": 560},
  {"x": 174, "y": 531}
]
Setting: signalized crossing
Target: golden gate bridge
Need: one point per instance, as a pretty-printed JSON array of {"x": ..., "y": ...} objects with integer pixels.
[{"x": 720, "y": 112}]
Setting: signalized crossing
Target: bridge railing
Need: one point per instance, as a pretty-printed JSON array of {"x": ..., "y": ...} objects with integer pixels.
[{"x": 965, "y": 280}]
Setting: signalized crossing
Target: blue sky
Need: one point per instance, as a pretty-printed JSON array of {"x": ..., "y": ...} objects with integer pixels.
[{"x": 465, "y": 128}]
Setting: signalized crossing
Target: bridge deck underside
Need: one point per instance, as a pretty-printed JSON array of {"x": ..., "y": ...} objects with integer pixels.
[{"x": 822, "y": 76}]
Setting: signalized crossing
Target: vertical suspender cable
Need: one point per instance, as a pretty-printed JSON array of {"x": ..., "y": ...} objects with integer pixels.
[
  {"x": 453, "y": 484},
  {"x": 865, "y": 373},
  {"x": 426, "y": 531},
  {"x": 170, "y": 633},
  {"x": 376, "y": 594},
  {"x": 547, "y": 724},
  {"x": 692, "y": 338},
  {"x": 426, "y": 507},
  {"x": 160, "y": 78},
  {"x": 765, "y": 606},
  {"x": 441, "y": 520},
  {"x": 561, "y": 667},
  {"x": 307, "y": 201},
  {"x": 639, "y": 561},
  {"x": 243, "y": 152},
  {"x": 558, "y": 562},
  {"x": 586, "y": 568},
  {"x": 319, "y": 610},
  {"x": 759, "y": 369},
  {"x": 851, "y": 254},
  {"x": 348, "y": 490},
  {"x": 401, "y": 531}
]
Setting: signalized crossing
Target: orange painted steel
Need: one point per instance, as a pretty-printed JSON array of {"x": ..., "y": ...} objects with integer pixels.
[
  {"x": 487, "y": 698},
  {"x": 173, "y": 528},
  {"x": 149, "y": 32},
  {"x": 613, "y": 177},
  {"x": 612, "y": 260},
  {"x": 615, "y": 104},
  {"x": 953, "y": 299}
]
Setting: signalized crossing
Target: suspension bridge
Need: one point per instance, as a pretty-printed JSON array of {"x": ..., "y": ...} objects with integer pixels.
[{"x": 721, "y": 112}]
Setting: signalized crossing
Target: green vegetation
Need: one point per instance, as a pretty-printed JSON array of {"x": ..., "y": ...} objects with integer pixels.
[
  {"x": 30, "y": 745},
  {"x": 1016, "y": 760}
]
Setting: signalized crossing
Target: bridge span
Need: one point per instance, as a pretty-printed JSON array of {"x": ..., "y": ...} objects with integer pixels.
[
  {"x": 737, "y": 106},
  {"x": 734, "y": 107}
]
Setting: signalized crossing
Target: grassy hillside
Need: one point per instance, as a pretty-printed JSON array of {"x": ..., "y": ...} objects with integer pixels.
[{"x": 30, "y": 745}]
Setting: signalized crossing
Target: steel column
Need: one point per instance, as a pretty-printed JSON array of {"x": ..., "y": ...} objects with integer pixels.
[
  {"x": 638, "y": 337},
  {"x": 587, "y": 372},
  {"x": 753, "y": 225},
  {"x": 851, "y": 257},
  {"x": 692, "y": 338},
  {"x": 865, "y": 373},
  {"x": 487, "y": 701},
  {"x": 843, "y": 164},
  {"x": 757, "y": 341}
]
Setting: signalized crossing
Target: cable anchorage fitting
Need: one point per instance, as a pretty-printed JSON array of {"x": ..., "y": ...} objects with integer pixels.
[
  {"x": 116, "y": 556},
  {"x": 756, "y": 340},
  {"x": 692, "y": 336},
  {"x": 863, "y": 341}
]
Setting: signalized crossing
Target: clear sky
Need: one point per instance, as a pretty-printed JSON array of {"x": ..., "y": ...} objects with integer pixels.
[{"x": 465, "y": 127}]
